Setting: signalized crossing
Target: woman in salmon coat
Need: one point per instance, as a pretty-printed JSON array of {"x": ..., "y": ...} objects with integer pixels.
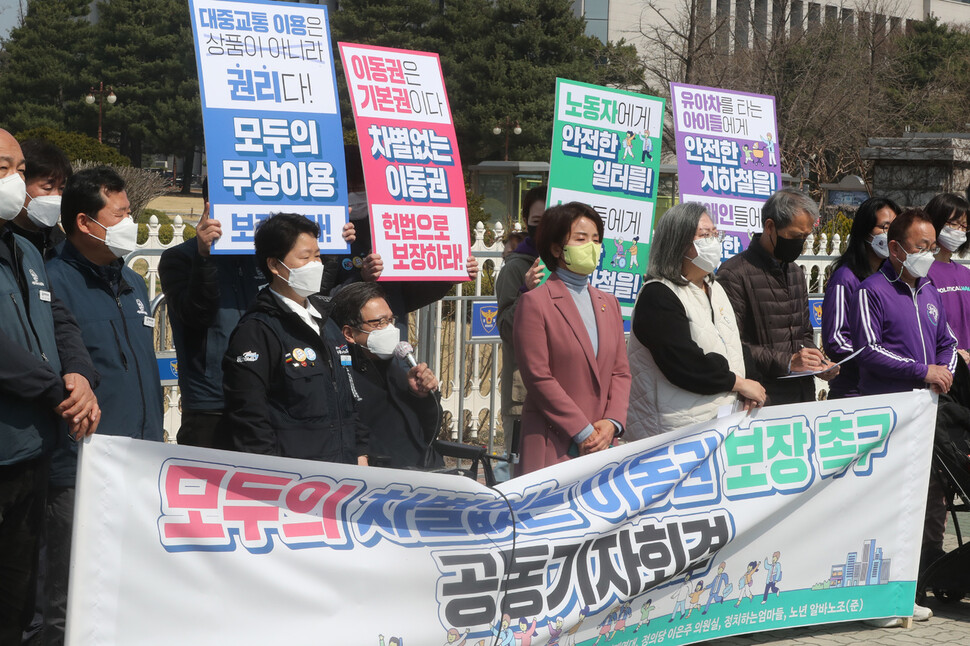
[{"x": 570, "y": 348}]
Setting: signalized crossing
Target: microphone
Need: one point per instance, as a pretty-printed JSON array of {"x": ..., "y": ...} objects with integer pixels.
[{"x": 405, "y": 350}]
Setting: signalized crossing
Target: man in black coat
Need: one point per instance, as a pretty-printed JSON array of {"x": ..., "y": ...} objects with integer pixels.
[{"x": 397, "y": 402}]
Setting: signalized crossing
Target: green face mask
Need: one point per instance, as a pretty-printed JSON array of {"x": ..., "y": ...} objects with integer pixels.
[{"x": 582, "y": 259}]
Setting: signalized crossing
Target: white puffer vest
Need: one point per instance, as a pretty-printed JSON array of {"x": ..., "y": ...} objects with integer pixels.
[{"x": 658, "y": 406}]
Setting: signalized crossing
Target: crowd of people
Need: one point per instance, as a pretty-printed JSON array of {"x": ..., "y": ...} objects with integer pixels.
[{"x": 290, "y": 353}]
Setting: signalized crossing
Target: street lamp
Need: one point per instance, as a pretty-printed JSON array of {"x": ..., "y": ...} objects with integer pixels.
[
  {"x": 507, "y": 124},
  {"x": 111, "y": 98}
]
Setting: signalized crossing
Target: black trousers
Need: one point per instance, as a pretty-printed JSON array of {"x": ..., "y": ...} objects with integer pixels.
[{"x": 23, "y": 488}]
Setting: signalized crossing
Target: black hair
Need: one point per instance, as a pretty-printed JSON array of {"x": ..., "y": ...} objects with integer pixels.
[
  {"x": 946, "y": 207},
  {"x": 83, "y": 194},
  {"x": 276, "y": 235},
  {"x": 901, "y": 225},
  {"x": 556, "y": 225},
  {"x": 350, "y": 300},
  {"x": 856, "y": 254},
  {"x": 533, "y": 195},
  {"x": 44, "y": 159}
]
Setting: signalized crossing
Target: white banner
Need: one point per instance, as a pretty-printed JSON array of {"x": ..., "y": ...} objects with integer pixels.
[{"x": 794, "y": 515}]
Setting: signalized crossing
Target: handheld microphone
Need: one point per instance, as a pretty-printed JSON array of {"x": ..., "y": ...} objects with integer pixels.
[{"x": 405, "y": 350}]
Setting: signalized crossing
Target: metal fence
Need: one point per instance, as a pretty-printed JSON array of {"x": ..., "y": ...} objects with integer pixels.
[{"x": 469, "y": 372}]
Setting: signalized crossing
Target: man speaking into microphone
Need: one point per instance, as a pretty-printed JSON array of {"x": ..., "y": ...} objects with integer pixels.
[{"x": 398, "y": 401}]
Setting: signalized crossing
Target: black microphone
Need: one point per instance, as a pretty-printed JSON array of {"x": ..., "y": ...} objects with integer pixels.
[{"x": 405, "y": 350}]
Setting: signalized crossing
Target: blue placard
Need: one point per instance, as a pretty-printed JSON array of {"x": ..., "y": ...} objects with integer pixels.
[
  {"x": 815, "y": 312},
  {"x": 485, "y": 321},
  {"x": 168, "y": 370},
  {"x": 273, "y": 134}
]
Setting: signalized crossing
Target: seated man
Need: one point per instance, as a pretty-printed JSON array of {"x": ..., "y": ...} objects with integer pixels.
[
  {"x": 395, "y": 406},
  {"x": 905, "y": 341}
]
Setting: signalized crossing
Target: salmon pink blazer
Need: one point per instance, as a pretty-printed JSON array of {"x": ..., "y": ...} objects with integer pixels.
[{"x": 567, "y": 385}]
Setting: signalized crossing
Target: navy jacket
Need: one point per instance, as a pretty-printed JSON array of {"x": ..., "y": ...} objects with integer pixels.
[
  {"x": 39, "y": 342},
  {"x": 113, "y": 311},
  {"x": 206, "y": 297},
  {"x": 902, "y": 331},
  {"x": 288, "y": 390}
]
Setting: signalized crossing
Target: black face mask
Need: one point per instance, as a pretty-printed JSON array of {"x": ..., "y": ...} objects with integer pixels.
[{"x": 788, "y": 249}]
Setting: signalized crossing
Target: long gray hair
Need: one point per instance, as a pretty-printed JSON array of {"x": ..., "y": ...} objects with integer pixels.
[{"x": 674, "y": 234}]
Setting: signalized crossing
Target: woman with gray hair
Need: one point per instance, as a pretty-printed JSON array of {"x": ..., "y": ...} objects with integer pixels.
[{"x": 685, "y": 351}]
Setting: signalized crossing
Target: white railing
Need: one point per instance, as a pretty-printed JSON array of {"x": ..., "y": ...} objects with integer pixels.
[{"x": 469, "y": 371}]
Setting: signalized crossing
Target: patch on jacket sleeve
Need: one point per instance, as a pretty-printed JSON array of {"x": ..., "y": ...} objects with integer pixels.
[{"x": 247, "y": 357}]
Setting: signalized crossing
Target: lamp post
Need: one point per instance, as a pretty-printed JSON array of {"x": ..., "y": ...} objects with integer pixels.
[
  {"x": 507, "y": 125},
  {"x": 89, "y": 99}
]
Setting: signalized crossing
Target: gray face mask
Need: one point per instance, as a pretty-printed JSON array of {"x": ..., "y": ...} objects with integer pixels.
[
  {"x": 880, "y": 245},
  {"x": 44, "y": 210}
]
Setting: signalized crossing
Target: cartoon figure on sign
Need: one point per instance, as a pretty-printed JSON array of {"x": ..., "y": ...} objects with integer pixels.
[
  {"x": 747, "y": 153},
  {"x": 744, "y": 583},
  {"x": 645, "y": 614},
  {"x": 525, "y": 632},
  {"x": 555, "y": 632},
  {"x": 647, "y": 147},
  {"x": 774, "y": 576},
  {"x": 619, "y": 257},
  {"x": 569, "y": 639},
  {"x": 487, "y": 315},
  {"x": 719, "y": 587},
  {"x": 605, "y": 626},
  {"x": 681, "y": 595},
  {"x": 759, "y": 155},
  {"x": 456, "y": 638},
  {"x": 622, "y": 613},
  {"x": 633, "y": 251},
  {"x": 628, "y": 144},
  {"x": 695, "y": 598},
  {"x": 393, "y": 641},
  {"x": 505, "y": 635},
  {"x": 770, "y": 147}
]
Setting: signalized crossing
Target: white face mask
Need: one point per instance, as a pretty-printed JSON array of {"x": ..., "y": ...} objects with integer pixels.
[
  {"x": 121, "y": 238},
  {"x": 708, "y": 254},
  {"x": 13, "y": 192},
  {"x": 952, "y": 238},
  {"x": 880, "y": 245},
  {"x": 918, "y": 264},
  {"x": 383, "y": 342},
  {"x": 44, "y": 210},
  {"x": 305, "y": 280}
]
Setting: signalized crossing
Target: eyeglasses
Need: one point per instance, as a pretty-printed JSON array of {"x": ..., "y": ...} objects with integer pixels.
[
  {"x": 378, "y": 324},
  {"x": 956, "y": 224},
  {"x": 710, "y": 235},
  {"x": 933, "y": 250}
]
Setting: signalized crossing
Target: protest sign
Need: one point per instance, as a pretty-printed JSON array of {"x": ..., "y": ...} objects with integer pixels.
[
  {"x": 790, "y": 516},
  {"x": 606, "y": 153},
  {"x": 273, "y": 136},
  {"x": 728, "y": 157},
  {"x": 415, "y": 187}
]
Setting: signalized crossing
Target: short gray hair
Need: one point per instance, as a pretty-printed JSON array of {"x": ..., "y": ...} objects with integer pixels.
[
  {"x": 674, "y": 234},
  {"x": 784, "y": 205}
]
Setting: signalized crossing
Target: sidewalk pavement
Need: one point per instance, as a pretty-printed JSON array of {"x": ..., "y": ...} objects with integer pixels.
[{"x": 950, "y": 623}]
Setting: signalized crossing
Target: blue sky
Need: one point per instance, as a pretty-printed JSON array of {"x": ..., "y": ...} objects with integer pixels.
[{"x": 9, "y": 10}]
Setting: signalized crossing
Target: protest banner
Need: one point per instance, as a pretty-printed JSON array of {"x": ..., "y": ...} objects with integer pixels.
[
  {"x": 412, "y": 169},
  {"x": 273, "y": 136},
  {"x": 728, "y": 157},
  {"x": 790, "y": 516},
  {"x": 606, "y": 153}
]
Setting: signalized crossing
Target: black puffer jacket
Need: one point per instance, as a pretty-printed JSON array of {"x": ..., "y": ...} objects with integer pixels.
[{"x": 770, "y": 301}]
